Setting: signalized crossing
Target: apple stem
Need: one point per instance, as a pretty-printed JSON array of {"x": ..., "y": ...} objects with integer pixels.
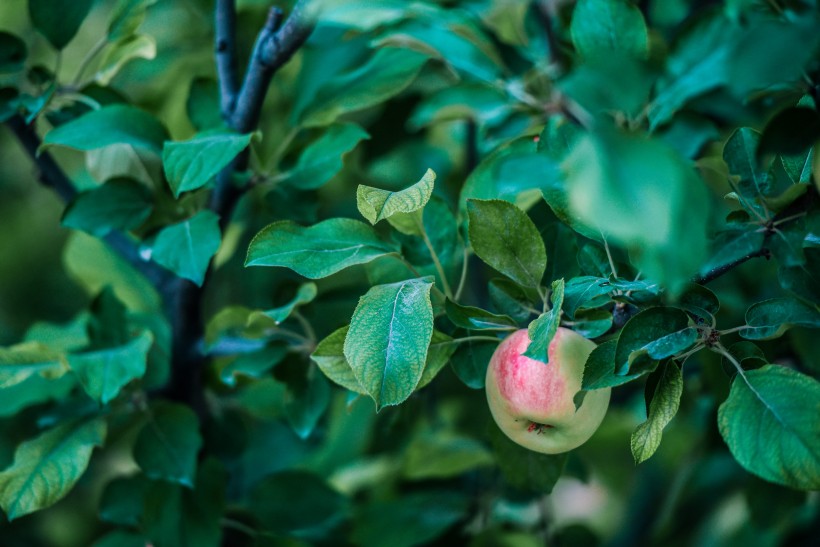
[{"x": 538, "y": 428}]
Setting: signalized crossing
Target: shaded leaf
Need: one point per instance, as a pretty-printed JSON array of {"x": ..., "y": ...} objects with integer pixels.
[
  {"x": 323, "y": 158},
  {"x": 186, "y": 247},
  {"x": 771, "y": 318},
  {"x": 109, "y": 125},
  {"x": 769, "y": 423},
  {"x": 469, "y": 317},
  {"x": 58, "y": 20},
  {"x": 119, "y": 204},
  {"x": 168, "y": 444},
  {"x": 193, "y": 163}
]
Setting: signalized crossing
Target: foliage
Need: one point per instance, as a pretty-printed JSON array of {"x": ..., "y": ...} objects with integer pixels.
[{"x": 263, "y": 310}]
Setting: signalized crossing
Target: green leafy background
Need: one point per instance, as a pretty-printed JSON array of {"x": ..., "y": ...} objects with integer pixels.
[{"x": 645, "y": 173}]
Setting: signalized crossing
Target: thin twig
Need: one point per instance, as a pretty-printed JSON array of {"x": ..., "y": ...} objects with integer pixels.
[{"x": 713, "y": 274}]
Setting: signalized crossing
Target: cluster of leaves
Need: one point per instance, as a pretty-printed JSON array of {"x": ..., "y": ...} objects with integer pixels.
[{"x": 576, "y": 167}]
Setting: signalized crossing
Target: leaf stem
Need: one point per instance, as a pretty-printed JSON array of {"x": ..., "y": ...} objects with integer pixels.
[
  {"x": 735, "y": 329},
  {"x": 306, "y": 326},
  {"x": 609, "y": 256},
  {"x": 474, "y": 339},
  {"x": 89, "y": 57},
  {"x": 439, "y": 268},
  {"x": 462, "y": 281}
]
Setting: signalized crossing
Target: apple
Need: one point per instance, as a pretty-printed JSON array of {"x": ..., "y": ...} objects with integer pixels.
[{"x": 532, "y": 402}]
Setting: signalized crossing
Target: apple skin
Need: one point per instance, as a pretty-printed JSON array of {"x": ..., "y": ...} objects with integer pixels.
[{"x": 532, "y": 402}]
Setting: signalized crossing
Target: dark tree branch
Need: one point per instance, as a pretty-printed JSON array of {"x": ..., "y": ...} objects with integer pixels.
[
  {"x": 720, "y": 270},
  {"x": 545, "y": 9},
  {"x": 241, "y": 109},
  {"x": 225, "y": 28},
  {"x": 53, "y": 176},
  {"x": 274, "y": 48}
]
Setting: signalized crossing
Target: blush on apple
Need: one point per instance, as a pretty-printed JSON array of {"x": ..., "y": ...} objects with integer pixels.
[{"x": 532, "y": 402}]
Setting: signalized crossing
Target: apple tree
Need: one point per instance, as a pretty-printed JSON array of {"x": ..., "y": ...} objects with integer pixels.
[{"x": 255, "y": 260}]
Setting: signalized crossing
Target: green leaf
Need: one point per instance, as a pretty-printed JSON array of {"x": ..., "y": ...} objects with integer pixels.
[
  {"x": 524, "y": 469},
  {"x": 253, "y": 365},
  {"x": 730, "y": 245},
  {"x": 297, "y": 503},
  {"x": 388, "y": 339},
  {"x": 121, "y": 53},
  {"x": 414, "y": 519},
  {"x": 698, "y": 63},
  {"x": 470, "y": 362},
  {"x": 120, "y": 204},
  {"x": 586, "y": 292},
  {"x": 441, "y": 455},
  {"x": 740, "y": 155},
  {"x": 115, "y": 124},
  {"x": 306, "y": 402},
  {"x": 771, "y": 318},
  {"x": 542, "y": 330},
  {"x": 174, "y": 515},
  {"x": 769, "y": 422},
  {"x": 127, "y": 18},
  {"x": 193, "y": 163},
  {"x": 592, "y": 323},
  {"x": 13, "y": 53},
  {"x": 20, "y": 362},
  {"x": 103, "y": 373},
  {"x": 120, "y": 538},
  {"x": 637, "y": 191},
  {"x": 323, "y": 158},
  {"x": 667, "y": 346},
  {"x": 46, "y": 468},
  {"x": 515, "y": 172},
  {"x": 469, "y": 317},
  {"x": 375, "y": 204},
  {"x": 167, "y": 446},
  {"x": 58, "y": 20},
  {"x": 600, "y": 27},
  {"x": 665, "y": 402},
  {"x": 510, "y": 299},
  {"x": 504, "y": 237},
  {"x": 329, "y": 356},
  {"x": 643, "y": 329},
  {"x": 122, "y": 500},
  {"x": 186, "y": 247},
  {"x": 441, "y": 349},
  {"x": 599, "y": 370},
  {"x": 319, "y": 250},
  {"x": 202, "y": 105},
  {"x": 304, "y": 295},
  {"x": 386, "y": 74}
]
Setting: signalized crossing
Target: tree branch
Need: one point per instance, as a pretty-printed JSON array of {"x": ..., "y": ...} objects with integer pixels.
[
  {"x": 274, "y": 48},
  {"x": 720, "y": 270},
  {"x": 225, "y": 30},
  {"x": 53, "y": 176}
]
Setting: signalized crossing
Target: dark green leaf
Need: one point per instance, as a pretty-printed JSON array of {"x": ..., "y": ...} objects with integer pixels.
[
  {"x": 441, "y": 455},
  {"x": 388, "y": 339},
  {"x": 771, "y": 318},
  {"x": 13, "y": 53},
  {"x": 769, "y": 422},
  {"x": 306, "y": 402},
  {"x": 469, "y": 317},
  {"x": 441, "y": 349},
  {"x": 317, "y": 251},
  {"x": 510, "y": 299},
  {"x": 46, "y": 467},
  {"x": 504, "y": 237},
  {"x": 297, "y": 503},
  {"x": 643, "y": 329},
  {"x": 592, "y": 323},
  {"x": 790, "y": 131},
  {"x": 168, "y": 444},
  {"x": 386, "y": 74},
  {"x": 58, "y": 20},
  {"x": 115, "y": 124},
  {"x": 414, "y": 519},
  {"x": 202, "y": 105},
  {"x": 600, "y": 27},
  {"x": 740, "y": 155},
  {"x": 599, "y": 371},
  {"x": 524, "y": 469},
  {"x": 665, "y": 402},
  {"x": 193, "y": 163},
  {"x": 120, "y": 538},
  {"x": 470, "y": 362},
  {"x": 254, "y": 365},
  {"x": 323, "y": 159},
  {"x": 103, "y": 373},
  {"x": 122, "y": 500},
  {"x": 186, "y": 248},
  {"x": 304, "y": 295},
  {"x": 116, "y": 205},
  {"x": 586, "y": 292}
]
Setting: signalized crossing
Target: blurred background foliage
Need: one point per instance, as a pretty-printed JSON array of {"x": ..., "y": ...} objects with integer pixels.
[{"x": 416, "y": 470}]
